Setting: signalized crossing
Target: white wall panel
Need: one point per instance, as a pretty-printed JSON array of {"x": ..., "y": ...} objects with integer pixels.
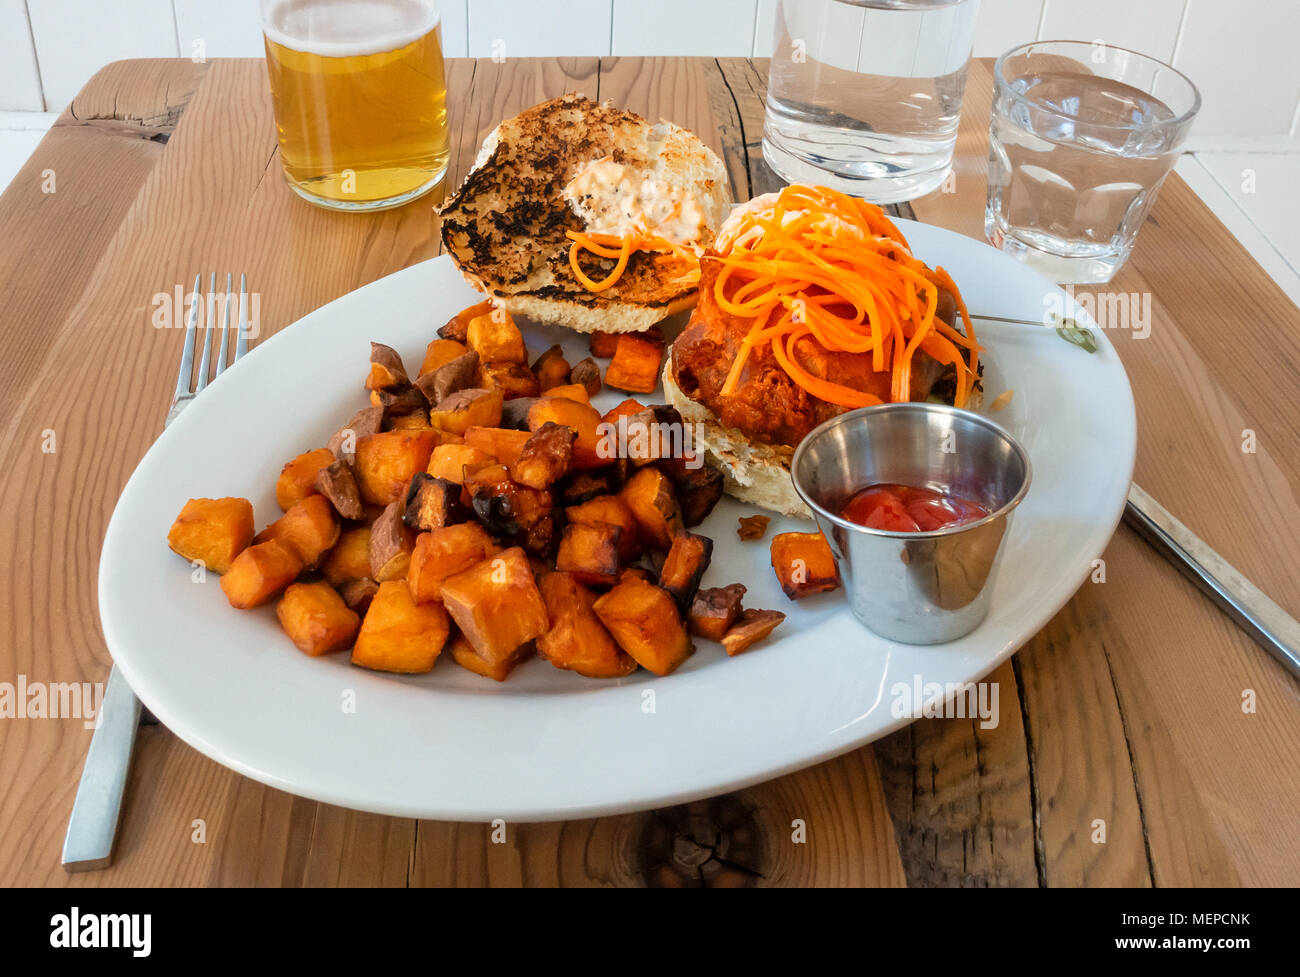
[
  {"x": 1003, "y": 24},
  {"x": 709, "y": 28},
  {"x": 538, "y": 28},
  {"x": 1149, "y": 27},
  {"x": 225, "y": 28},
  {"x": 20, "y": 82}
]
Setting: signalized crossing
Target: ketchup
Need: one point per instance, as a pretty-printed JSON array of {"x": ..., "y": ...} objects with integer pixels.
[{"x": 905, "y": 509}]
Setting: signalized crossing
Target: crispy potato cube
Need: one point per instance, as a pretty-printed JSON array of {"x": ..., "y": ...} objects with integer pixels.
[
  {"x": 390, "y": 546},
  {"x": 343, "y": 443},
  {"x": 589, "y": 551},
  {"x": 636, "y": 362},
  {"x": 297, "y": 478},
  {"x": 638, "y": 573},
  {"x": 628, "y": 408},
  {"x": 337, "y": 483},
  {"x": 443, "y": 553},
  {"x": 697, "y": 486},
  {"x": 684, "y": 567},
  {"x": 464, "y": 655},
  {"x": 586, "y": 373},
  {"x": 501, "y": 443},
  {"x": 546, "y": 456},
  {"x": 386, "y": 461},
  {"x": 603, "y": 344},
  {"x": 804, "y": 564},
  {"x": 649, "y": 494},
  {"x": 212, "y": 531},
  {"x": 417, "y": 420},
  {"x": 386, "y": 369},
  {"x": 432, "y": 503},
  {"x": 576, "y": 640},
  {"x": 350, "y": 557},
  {"x": 551, "y": 369},
  {"x": 451, "y": 461},
  {"x": 449, "y": 378},
  {"x": 496, "y": 338},
  {"x": 715, "y": 610},
  {"x": 497, "y": 605},
  {"x": 644, "y": 621},
  {"x": 522, "y": 514},
  {"x": 315, "y": 618},
  {"x": 753, "y": 626},
  {"x": 464, "y": 409},
  {"x": 358, "y": 594},
  {"x": 571, "y": 391},
  {"x": 612, "y": 510},
  {"x": 310, "y": 528},
  {"x": 582, "y": 418},
  {"x": 260, "y": 572},
  {"x": 440, "y": 352},
  {"x": 512, "y": 380},
  {"x": 579, "y": 487},
  {"x": 457, "y": 326},
  {"x": 399, "y": 635}
]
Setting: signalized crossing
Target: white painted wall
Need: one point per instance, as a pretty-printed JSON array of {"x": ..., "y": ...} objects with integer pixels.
[{"x": 1238, "y": 51}]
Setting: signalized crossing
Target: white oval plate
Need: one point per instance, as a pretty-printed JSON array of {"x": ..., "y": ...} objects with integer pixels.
[{"x": 548, "y": 744}]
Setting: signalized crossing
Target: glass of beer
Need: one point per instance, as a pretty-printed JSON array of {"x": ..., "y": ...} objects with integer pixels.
[{"x": 360, "y": 99}]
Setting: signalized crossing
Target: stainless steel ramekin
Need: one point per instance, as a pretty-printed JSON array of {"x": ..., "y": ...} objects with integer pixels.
[{"x": 926, "y": 587}]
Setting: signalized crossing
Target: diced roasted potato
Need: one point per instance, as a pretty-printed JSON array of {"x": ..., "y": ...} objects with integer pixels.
[
  {"x": 212, "y": 531},
  {"x": 457, "y": 326},
  {"x": 698, "y": 487},
  {"x": 715, "y": 610},
  {"x": 614, "y": 511},
  {"x": 337, "y": 483},
  {"x": 546, "y": 456},
  {"x": 551, "y": 369},
  {"x": 514, "y": 414},
  {"x": 573, "y": 391},
  {"x": 399, "y": 635},
  {"x": 464, "y": 409},
  {"x": 386, "y": 369},
  {"x": 586, "y": 374},
  {"x": 638, "y": 573},
  {"x": 391, "y": 543},
  {"x": 751, "y": 528},
  {"x": 386, "y": 461},
  {"x": 501, "y": 443},
  {"x": 654, "y": 433},
  {"x": 399, "y": 401},
  {"x": 449, "y": 378},
  {"x": 343, "y": 443},
  {"x": 649, "y": 494},
  {"x": 416, "y": 420},
  {"x": 297, "y": 478},
  {"x": 522, "y": 514},
  {"x": 753, "y": 626},
  {"x": 684, "y": 567},
  {"x": 511, "y": 379},
  {"x": 440, "y": 352},
  {"x": 644, "y": 621},
  {"x": 432, "y": 503},
  {"x": 496, "y": 338},
  {"x": 350, "y": 557},
  {"x": 603, "y": 344},
  {"x": 804, "y": 564},
  {"x": 358, "y": 594},
  {"x": 589, "y": 551},
  {"x": 583, "y": 418},
  {"x": 260, "y": 572},
  {"x": 636, "y": 362},
  {"x": 497, "y": 605},
  {"x": 316, "y": 619},
  {"x": 443, "y": 553},
  {"x": 310, "y": 528},
  {"x": 627, "y": 408},
  {"x": 579, "y": 487},
  {"x": 464, "y": 655},
  {"x": 451, "y": 461},
  {"x": 576, "y": 640}
]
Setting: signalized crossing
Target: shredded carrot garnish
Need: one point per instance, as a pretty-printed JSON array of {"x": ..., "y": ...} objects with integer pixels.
[
  {"x": 622, "y": 249},
  {"x": 830, "y": 268}
]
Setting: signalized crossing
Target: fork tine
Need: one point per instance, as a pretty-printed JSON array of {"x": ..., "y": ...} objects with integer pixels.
[
  {"x": 187, "y": 352},
  {"x": 241, "y": 340},
  {"x": 225, "y": 326},
  {"x": 210, "y": 325}
]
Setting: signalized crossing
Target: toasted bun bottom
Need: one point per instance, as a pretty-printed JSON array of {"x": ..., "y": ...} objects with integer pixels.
[
  {"x": 753, "y": 472},
  {"x": 614, "y": 317}
]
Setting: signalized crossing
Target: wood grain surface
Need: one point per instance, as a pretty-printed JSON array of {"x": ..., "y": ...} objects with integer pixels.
[{"x": 1126, "y": 709}]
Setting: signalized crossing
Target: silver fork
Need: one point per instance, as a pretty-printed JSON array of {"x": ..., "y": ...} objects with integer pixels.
[{"x": 92, "y": 827}]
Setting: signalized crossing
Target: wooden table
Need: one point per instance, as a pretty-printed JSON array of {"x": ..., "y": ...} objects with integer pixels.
[{"x": 1127, "y": 709}]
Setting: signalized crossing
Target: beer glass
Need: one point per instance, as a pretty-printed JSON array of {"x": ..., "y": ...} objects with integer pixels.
[{"x": 360, "y": 99}]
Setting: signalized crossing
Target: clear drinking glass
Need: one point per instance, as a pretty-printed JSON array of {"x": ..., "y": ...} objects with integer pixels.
[
  {"x": 1082, "y": 136},
  {"x": 864, "y": 95},
  {"x": 360, "y": 99}
]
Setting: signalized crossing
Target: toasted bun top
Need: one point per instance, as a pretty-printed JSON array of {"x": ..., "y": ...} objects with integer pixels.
[{"x": 506, "y": 226}]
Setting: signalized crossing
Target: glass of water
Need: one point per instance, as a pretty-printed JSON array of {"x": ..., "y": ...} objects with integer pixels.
[
  {"x": 864, "y": 95},
  {"x": 1082, "y": 135}
]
